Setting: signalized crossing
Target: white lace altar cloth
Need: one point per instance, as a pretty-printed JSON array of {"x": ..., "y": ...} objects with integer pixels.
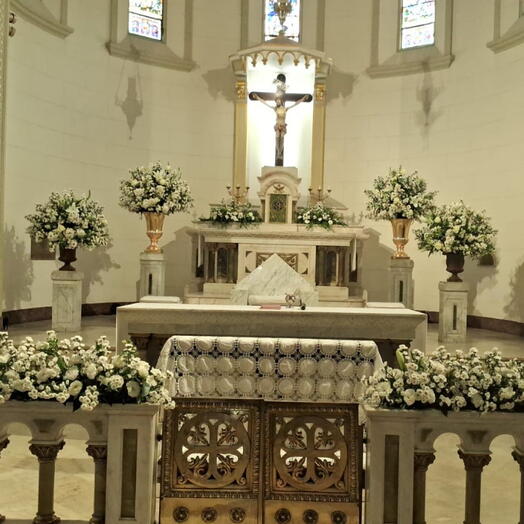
[{"x": 267, "y": 368}]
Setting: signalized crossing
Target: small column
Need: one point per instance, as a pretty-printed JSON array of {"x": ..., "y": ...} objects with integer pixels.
[
  {"x": 46, "y": 454},
  {"x": 152, "y": 275},
  {"x": 401, "y": 281},
  {"x": 3, "y": 444},
  {"x": 67, "y": 300},
  {"x": 240, "y": 136},
  {"x": 474, "y": 464},
  {"x": 99, "y": 455},
  {"x": 519, "y": 457},
  {"x": 319, "y": 133},
  {"x": 422, "y": 461},
  {"x": 453, "y": 311}
]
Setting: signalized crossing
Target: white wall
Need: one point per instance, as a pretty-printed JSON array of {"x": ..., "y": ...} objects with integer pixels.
[{"x": 461, "y": 128}]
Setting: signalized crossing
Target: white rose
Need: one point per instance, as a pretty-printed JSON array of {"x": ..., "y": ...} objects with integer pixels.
[
  {"x": 91, "y": 371},
  {"x": 142, "y": 369},
  {"x": 71, "y": 373},
  {"x": 133, "y": 389}
]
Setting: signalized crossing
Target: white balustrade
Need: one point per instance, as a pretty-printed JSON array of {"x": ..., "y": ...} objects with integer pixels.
[
  {"x": 122, "y": 443},
  {"x": 400, "y": 450}
]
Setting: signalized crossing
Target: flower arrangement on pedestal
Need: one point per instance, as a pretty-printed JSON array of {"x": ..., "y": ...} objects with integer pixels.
[
  {"x": 401, "y": 198},
  {"x": 446, "y": 381},
  {"x": 243, "y": 214},
  {"x": 155, "y": 191},
  {"x": 456, "y": 230},
  {"x": 68, "y": 222},
  {"x": 320, "y": 215},
  {"x": 68, "y": 372}
]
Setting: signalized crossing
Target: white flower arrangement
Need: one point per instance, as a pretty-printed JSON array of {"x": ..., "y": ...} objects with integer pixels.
[
  {"x": 155, "y": 189},
  {"x": 449, "y": 382},
  {"x": 319, "y": 215},
  {"x": 456, "y": 228},
  {"x": 68, "y": 221},
  {"x": 399, "y": 195},
  {"x": 232, "y": 212},
  {"x": 67, "y": 371}
]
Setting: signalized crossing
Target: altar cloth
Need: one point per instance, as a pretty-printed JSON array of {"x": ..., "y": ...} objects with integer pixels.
[{"x": 287, "y": 369}]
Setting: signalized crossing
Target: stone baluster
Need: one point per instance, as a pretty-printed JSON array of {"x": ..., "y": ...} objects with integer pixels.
[
  {"x": 3, "y": 445},
  {"x": 422, "y": 461},
  {"x": 99, "y": 455},
  {"x": 474, "y": 463},
  {"x": 519, "y": 457},
  {"x": 46, "y": 454}
]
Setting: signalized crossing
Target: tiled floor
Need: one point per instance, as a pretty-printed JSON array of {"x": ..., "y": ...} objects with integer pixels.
[{"x": 445, "y": 482}]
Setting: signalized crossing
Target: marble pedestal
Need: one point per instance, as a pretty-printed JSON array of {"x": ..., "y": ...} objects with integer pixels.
[
  {"x": 67, "y": 300},
  {"x": 401, "y": 281},
  {"x": 152, "y": 274},
  {"x": 453, "y": 311}
]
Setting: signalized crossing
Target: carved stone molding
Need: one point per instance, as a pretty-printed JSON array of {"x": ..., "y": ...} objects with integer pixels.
[
  {"x": 97, "y": 453},
  {"x": 46, "y": 452},
  {"x": 474, "y": 461},
  {"x": 422, "y": 461},
  {"x": 35, "y": 12},
  {"x": 180, "y": 514},
  {"x": 511, "y": 37}
]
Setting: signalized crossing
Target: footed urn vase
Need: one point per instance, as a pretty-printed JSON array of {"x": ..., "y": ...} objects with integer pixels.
[
  {"x": 400, "y": 236},
  {"x": 154, "y": 223},
  {"x": 67, "y": 256},
  {"x": 454, "y": 265}
]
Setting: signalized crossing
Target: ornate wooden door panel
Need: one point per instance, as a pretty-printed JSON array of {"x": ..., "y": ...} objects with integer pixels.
[{"x": 258, "y": 462}]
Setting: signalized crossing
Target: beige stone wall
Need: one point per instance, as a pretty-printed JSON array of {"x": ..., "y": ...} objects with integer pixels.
[{"x": 461, "y": 127}]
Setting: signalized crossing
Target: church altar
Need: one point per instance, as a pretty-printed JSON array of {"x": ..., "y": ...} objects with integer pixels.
[{"x": 151, "y": 324}]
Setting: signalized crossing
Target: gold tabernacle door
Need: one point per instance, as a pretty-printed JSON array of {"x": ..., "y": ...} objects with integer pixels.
[{"x": 254, "y": 462}]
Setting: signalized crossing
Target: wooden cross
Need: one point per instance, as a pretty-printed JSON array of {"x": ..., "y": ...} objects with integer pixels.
[{"x": 280, "y": 97}]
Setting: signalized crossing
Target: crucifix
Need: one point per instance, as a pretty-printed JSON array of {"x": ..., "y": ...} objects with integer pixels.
[{"x": 280, "y": 97}]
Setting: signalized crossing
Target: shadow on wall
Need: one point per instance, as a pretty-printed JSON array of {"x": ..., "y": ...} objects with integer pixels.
[
  {"x": 18, "y": 270},
  {"x": 479, "y": 277},
  {"x": 220, "y": 82},
  {"x": 178, "y": 263},
  {"x": 376, "y": 257},
  {"x": 426, "y": 96},
  {"x": 92, "y": 264},
  {"x": 340, "y": 84},
  {"x": 130, "y": 100},
  {"x": 515, "y": 307}
]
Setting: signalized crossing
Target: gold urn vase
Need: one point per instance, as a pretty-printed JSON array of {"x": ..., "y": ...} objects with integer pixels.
[
  {"x": 400, "y": 236},
  {"x": 154, "y": 223}
]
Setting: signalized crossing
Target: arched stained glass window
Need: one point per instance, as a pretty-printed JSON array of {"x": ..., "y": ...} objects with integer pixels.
[
  {"x": 272, "y": 23},
  {"x": 146, "y": 18},
  {"x": 417, "y": 23}
]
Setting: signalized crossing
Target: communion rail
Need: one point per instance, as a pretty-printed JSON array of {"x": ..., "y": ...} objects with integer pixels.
[
  {"x": 400, "y": 450},
  {"x": 122, "y": 443}
]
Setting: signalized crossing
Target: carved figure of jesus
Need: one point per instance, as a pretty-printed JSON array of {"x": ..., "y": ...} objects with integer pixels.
[{"x": 280, "y": 98}]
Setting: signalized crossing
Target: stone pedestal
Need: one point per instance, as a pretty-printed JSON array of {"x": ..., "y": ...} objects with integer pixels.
[
  {"x": 453, "y": 311},
  {"x": 152, "y": 274},
  {"x": 67, "y": 300},
  {"x": 401, "y": 281}
]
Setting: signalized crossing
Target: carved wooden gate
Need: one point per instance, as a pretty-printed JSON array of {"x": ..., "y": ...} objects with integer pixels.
[{"x": 235, "y": 461}]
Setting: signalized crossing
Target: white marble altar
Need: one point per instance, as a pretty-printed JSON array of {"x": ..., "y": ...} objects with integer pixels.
[
  {"x": 453, "y": 311},
  {"x": 388, "y": 327},
  {"x": 152, "y": 274},
  {"x": 67, "y": 300},
  {"x": 271, "y": 282}
]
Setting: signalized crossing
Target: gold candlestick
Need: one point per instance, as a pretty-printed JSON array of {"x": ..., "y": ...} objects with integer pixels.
[
  {"x": 238, "y": 195},
  {"x": 318, "y": 196}
]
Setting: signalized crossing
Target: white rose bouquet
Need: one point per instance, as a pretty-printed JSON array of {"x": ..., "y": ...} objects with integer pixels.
[
  {"x": 155, "y": 189},
  {"x": 399, "y": 195},
  {"x": 456, "y": 228},
  {"x": 68, "y": 221},
  {"x": 319, "y": 215},
  {"x": 448, "y": 382},
  {"x": 226, "y": 213},
  {"x": 67, "y": 371}
]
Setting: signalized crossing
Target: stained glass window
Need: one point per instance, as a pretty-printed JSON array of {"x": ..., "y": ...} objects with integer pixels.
[
  {"x": 272, "y": 23},
  {"x": 418, "y": 23},
  {"x": 146, "y": 18}
]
